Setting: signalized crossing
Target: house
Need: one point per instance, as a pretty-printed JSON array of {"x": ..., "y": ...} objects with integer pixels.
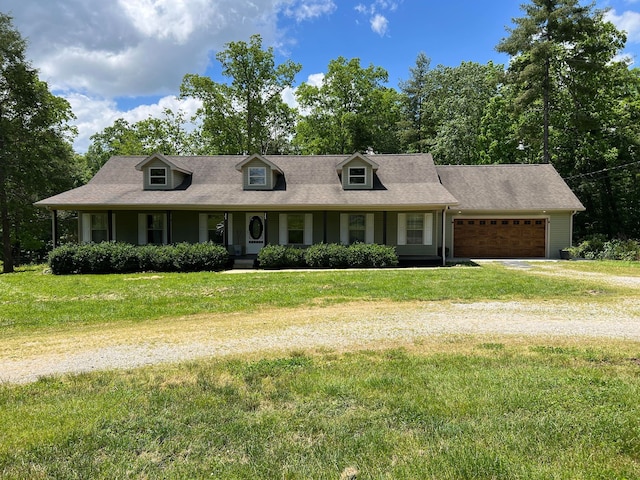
[{"x": 246, "y": 202}]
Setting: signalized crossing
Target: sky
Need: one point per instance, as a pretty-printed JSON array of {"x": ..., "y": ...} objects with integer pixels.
[{"x": 126, "y": 58}]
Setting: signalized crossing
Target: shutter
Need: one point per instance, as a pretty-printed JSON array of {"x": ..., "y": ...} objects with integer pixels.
[
  {"x": 308, "y": 228},
  {"x": 428, "y": 229},
  {"x": 369, "y": 231},
  {"x": 203, "y": 227},
  {"x": 229, "y": 231},
  {"x": 283, "y": 229},
  {"x": 402, "y": 229},
  {"x": 86, "y": 227},
  {"x": 344, "y": 228},
  {"x": 142, "y": 229},
  {"x": 113, "y": 227}
]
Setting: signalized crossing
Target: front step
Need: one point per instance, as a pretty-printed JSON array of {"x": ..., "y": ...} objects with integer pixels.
[{"x": 243, "y": 264}]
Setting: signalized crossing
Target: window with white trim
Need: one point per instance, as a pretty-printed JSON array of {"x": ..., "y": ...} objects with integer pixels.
[
  {"x": 158, "y": 176},
  {"x": 295, "y": 228},
  {"x": 415, "y": 228},
  {"x": 357, "y": 175},
  {"x": 215, "y": 228},
  {"x": 357, "y": 228},
  {"x": 155, "y": 228},
  {"x": 95, "y": 227},
  {"x": 258, "y": 176}
]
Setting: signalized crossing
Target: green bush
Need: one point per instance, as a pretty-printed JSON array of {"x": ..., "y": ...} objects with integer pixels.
[
  {"x": 597, "y": 247},
  {"x": 280, "y": 256},
  {"x": 363, "y": 255},
  {"x": 326, "y": 255},
  {"x": 109, "y": 257}
]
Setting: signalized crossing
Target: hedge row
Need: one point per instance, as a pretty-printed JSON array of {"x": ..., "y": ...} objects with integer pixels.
[
  {"x": 108, "y": 257},
  {"x": 328, "y": 255},
  {"x": 597, "y": 247}
]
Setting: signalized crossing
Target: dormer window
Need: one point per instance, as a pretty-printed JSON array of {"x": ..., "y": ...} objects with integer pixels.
[
  {"x": 257, "y": 176},
  {"x": 357, "y": 175},
  {"x": 158, "y": 176}
]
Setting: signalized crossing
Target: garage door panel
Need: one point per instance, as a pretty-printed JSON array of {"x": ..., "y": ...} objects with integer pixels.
[{"x": 503, "y": 238}]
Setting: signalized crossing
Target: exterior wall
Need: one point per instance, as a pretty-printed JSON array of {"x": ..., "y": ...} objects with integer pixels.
[
  {"x": 185, "y": 227},
  {"x": 245, "y": 175},
  {"x": 357, "y": 163},
  {"x": 559, "y": 233},
  {"x": 174, "y": 178},
  {"x": 127, "y": 227}
]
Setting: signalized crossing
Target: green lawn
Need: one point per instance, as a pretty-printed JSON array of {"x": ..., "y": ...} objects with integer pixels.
[
  {"x": 33, "y": 300},
  {"x": 448, "y": 407}
]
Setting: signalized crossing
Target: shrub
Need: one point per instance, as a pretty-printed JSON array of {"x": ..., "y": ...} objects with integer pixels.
[
  {"x": 589, "y": 248},
  {"x": 109, "y": 257},
  {"x": 617, "y": 249},
  {"x": 362, "y": 255},
  {"x": 326, "y": 255},
  {"x": 280, "y": 256}
]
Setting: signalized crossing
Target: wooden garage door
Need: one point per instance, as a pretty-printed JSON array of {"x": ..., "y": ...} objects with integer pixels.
[{"x": 498, "y": 238}]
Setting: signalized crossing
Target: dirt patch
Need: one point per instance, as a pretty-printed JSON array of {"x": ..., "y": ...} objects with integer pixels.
[{"x": 339, "y": 327}]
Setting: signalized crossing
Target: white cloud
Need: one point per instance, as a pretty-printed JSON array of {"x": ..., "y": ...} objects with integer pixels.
[
  {"x": 311, "y": 9},
  {"x": 379, "y": 24},
  {"x": 97, "y": 51},
  {"x": 628, "y": 21},
  {"x": 95, "y": 114}
]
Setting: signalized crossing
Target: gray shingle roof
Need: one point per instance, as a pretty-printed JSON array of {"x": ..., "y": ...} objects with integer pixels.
[
  {"x": 405, "y": 181},
  {"x": 508, "y": 187}
]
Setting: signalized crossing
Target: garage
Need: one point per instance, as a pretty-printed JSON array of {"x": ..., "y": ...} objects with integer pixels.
[{"x": 499, "y": 238}]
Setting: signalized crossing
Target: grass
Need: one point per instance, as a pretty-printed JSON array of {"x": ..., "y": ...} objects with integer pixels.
[
  {"x": 457, "y": 408},
  {"x": 446, "y": 407},
  {"x": 66, "y": 302}
]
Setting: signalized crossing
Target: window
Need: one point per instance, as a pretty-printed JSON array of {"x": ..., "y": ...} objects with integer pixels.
[
  {"x": 157, "y": 176},
  {"x": 295, "y": 228},
  {"x": 155, "y": 228},
  {"x": 415, "y": 228},
  {"x": 357, "y": 175},
  {"x": 215, "y": 228},
  {"x": 258, "y": 176},
  {"x": 357, "y": 228},
  {"x": 99, "y": 227}
]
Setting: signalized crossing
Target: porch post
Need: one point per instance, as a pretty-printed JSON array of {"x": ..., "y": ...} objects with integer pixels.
[
  {"x": 169, "y": 227},
  {"x": 324, "y": 227},
  {"x": 266, "y": 231},
  {"x": 110, "y": 225},
  {"x": 444, "y": 236},
  {"x": 54, "y": 228},
  {"x": 384, "y": 227},
  {"x": 226, "y": 231}
]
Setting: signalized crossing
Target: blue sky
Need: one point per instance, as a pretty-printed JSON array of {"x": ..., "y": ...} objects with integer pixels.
[{"x": 126, "y": 58}]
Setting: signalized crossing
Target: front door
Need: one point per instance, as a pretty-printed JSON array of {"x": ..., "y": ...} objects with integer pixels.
[{"x": 255, "y": 233}]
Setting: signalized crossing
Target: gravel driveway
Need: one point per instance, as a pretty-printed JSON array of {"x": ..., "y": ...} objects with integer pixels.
[{"x": 354, "y": 325}]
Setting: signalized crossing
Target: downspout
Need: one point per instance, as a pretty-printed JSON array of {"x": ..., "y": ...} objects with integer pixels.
[{"x": 444, "y": 236}]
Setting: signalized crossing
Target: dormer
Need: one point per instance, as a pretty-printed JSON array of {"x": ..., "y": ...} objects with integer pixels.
[
  {"x": 258, "y": 173},
  {"x": 357, "y": 172},
  {"x": 160, "y": 173}
]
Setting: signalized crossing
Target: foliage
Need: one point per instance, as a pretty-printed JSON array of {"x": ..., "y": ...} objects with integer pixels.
[
  {"x": 598, "y": 247},
  {"x": 108, "y": 257},
  {"x": 326, "y": 255},
  {"x": 33, "y": 126},
  {"x": 457, "y": 408},
  {"x": 351, "y": 111},
  {"x": 281, "y": 256},
  {"x": 248, "y": 114},
  {"x": 364, "y": 255}
]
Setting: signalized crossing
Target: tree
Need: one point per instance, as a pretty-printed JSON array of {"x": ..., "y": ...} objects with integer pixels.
[
  {"x": 35, "y": 154},
  {"x": 167, "y": 135},
  {"x": 351, "y": 111},
  {"x": 248, "y": 114},
  {"x": 557, "y": 40},
  {"x": 417, "y": 127}
]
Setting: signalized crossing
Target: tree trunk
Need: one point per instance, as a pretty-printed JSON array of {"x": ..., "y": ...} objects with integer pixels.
[
  {"x": 545, "y": 107},
  {"x": 7, "y": 264}
]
